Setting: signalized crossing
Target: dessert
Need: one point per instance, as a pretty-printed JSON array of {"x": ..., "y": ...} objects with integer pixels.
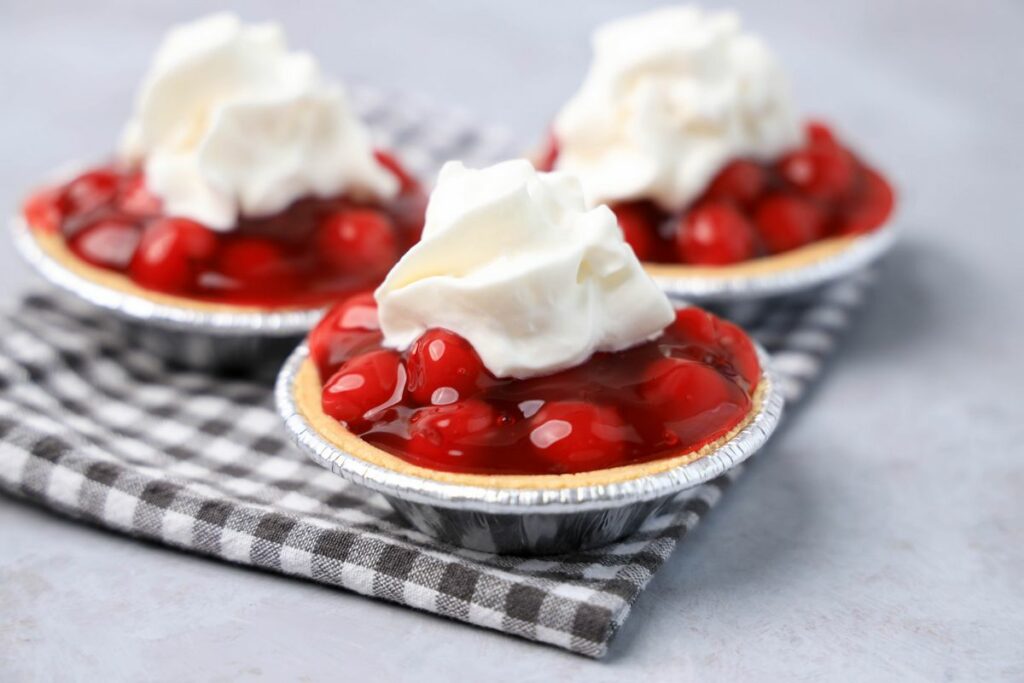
[
  {"x": 521, "y": 344},
  {"x": 685, "y": 126},
  {"x": 244, "y": 182}
]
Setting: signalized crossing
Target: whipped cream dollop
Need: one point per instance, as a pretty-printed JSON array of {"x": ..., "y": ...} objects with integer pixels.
[
  {"x": 514, "y": 262},
  {"x": 228, "y": 122},
  {"x": 673, "y": 95}
]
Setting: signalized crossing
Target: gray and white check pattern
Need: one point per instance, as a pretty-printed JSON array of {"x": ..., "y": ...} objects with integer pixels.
[
  {"x": 103, "y": 432},
  {"x": 99, "y": 430}
]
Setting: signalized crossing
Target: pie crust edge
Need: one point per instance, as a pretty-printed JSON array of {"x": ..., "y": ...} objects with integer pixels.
[{"x": 306, "y": 392}]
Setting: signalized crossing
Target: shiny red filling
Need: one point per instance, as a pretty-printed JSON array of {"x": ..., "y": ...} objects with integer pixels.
[
  {"x": 753, "y": 209},
  {"x": 310, "y": 254},
  {"x": 436, "y": 405}
]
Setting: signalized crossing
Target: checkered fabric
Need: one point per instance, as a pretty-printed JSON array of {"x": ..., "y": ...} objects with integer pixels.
[
  {"x": 100, "y": 431},
  {"x": 103, "y": 432}
]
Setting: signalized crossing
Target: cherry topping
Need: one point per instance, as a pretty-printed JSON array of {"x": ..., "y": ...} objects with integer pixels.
[
  {"x": 349, "y": 328},
  {"x": 578, "y": 436},
  {"x": 742, "y": 181},
  {"x": 454, "y": 436},
  {"x": 614, "y": 409},
  {"x": 170, "y": 254},
  {"x": 287, "y": 259},
  {"x": 107, "y": 243},
  {"x": 819, "y": 134},
  {"x": 714, "y": 234},
  {"x": 359, "y": 239},
  {"x": 822, "y": 171},
  {"x": 44, "y": 210},
  {"x": 787, "y": 222},
  {"x": 808, "y": 194},
  {"x": 728, "y": 344},
  {"x": 688, "y": 393},
  {"x": 639, "y": 225},
  {"x": 137, "y": 200},
  {"x": 256, "y": 263},
  {"x": 696, "y": 325},
  {"x": 870, "y": 208},
  {"x": 91, "y": 190},
  {"x": 363, "y": 386},
  {"x": 443, "y": 367}
]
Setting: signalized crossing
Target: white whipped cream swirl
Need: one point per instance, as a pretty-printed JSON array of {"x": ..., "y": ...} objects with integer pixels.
[
  {"x": 673, "y": 95},
  {"x": 229, "y": 123},
  {"x": 512, "y": 260}
]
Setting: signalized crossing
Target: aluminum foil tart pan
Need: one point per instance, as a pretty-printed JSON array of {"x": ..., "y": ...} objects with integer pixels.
[
  {"x": 530, "y": 521},
  {"x": 804, "y": 269},
  {"x": 208, "y": 340}
]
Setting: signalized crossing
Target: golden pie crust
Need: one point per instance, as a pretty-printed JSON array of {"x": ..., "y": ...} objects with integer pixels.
[
  {"x": 306, "y": 391},
  {"x": 54, "y": 246},
  {"x": 768, "y": 265}
]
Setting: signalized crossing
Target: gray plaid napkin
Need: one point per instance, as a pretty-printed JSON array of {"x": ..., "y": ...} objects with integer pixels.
[
  {"x": 98, "y": 430},
  {"x": 94, "y": 428}
]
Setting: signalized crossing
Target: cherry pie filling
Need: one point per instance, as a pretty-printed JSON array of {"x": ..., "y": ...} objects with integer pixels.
[
  {"x": 753, "y": 209},
  {"x": 309, "y": 254},
  {"x": 436, "y": 406}
]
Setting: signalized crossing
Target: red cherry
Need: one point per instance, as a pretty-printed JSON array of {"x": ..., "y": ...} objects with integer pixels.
[
  {"x": 91, "y": 190},
  {"x": 693, "y": 399},
  {"x": 578, "y": 436},
  {"x": 693, "y": 324},
  {"x": 819, "y": 135},
  {"x": 722, "y": 339},
  {"x": 359, "y": 240},
  {"x": 107, "y": 243},
  {"x": 443, "y": 368},
  {"x": 364, "y": 386},
  {"x": 198, "y": 241},
  {"x": 823, "y": 172},
  {"x": 741, "y": 181},
  {"x": 456, "y": 435},
  {"x": 349, "y": 328},
  {"x": 714, "y": 234},
  {"x": 388, "y": 161},
  {"x": 870, "y": 208},
  {"x": 743, "y": 355},
  {"x": 358, "y": 312},
  {"x": 639, "y": 227},
  {"x": 44, "y": 210},
  {"x": 171, "y": 253},
  {"x": 786, "y": 222},
  {"x": 137, "y": 200},
  {"x": 253, "y": 262}
]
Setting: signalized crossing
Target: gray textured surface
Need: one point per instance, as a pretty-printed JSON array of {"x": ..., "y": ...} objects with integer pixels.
[{"x": 883, "y": 537}]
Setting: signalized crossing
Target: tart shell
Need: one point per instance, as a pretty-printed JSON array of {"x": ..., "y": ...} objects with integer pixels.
[
  {"x": 798, "y": 258},
  {"x": 194, "y": 334},
  {"x": 520, "y": 514},
  {"x": 306, "y": 393},
  {"x": 55, "y": 247},
  {"x": 117, "y": 294},
  {"x": 809, "y": 266}
]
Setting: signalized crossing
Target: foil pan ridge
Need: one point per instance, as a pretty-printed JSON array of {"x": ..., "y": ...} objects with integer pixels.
[{"x": 529, "y": 520}]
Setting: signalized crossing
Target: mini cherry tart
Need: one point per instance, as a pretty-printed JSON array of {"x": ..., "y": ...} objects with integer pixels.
[
  {"x": 435, "y": 405},
  {"x": 753, "y": 209},
  {"x": 309, "y": 254}
]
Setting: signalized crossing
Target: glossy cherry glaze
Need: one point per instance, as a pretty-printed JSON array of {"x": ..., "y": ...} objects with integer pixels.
[
  {"x": 310, "y": 254},
  {"x": 435, "y": 405},
  {"x": 753, "y": 209}
]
